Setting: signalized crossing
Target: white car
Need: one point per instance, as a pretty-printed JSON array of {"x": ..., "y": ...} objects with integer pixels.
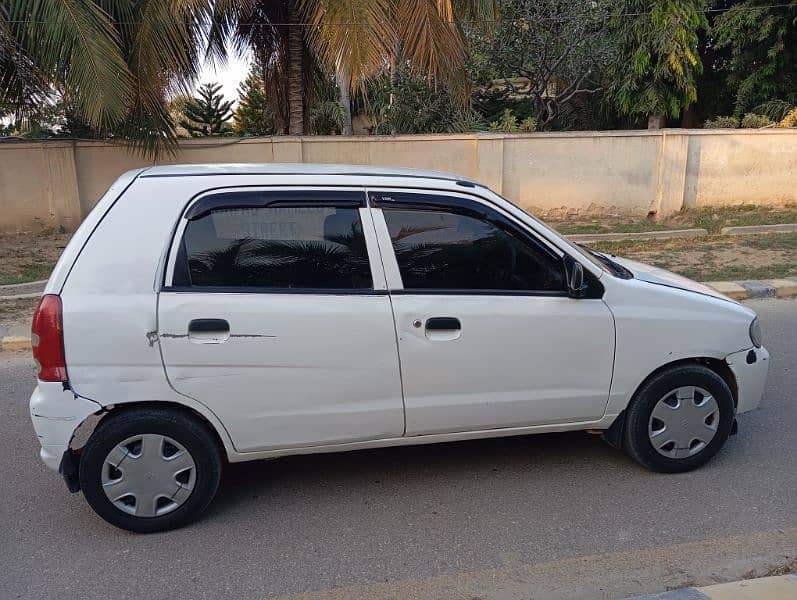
[{"x": 214, "y": 313}]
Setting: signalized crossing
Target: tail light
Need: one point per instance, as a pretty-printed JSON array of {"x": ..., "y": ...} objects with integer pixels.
[{"x": 47, "y": 339}]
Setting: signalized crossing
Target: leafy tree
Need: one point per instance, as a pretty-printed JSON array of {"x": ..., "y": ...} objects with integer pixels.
[
  {"x": 763, "y": 43},
  {"x": 548, "y": 51},
  {"x": 408, "y": 104},
  {"x": 207, "y": 113},
  {"x": 115, "y": 61},
  {"x": 327, "y": 117},
  {"x": 354, "y": 39},
  {"x": 656, "y": 60},
  {"x": 253, "y": 116}
]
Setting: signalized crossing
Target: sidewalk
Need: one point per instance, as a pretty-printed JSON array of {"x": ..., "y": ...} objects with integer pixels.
[{"x": 782, "y": 587}]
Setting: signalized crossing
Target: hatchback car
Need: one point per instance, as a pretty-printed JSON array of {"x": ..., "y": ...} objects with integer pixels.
[{"x": 211, "y": 313}]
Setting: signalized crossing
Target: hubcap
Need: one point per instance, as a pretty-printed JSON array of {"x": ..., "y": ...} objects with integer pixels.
[
  {"x": 683, "y": 422},
  {"x": 148, "y": 475}
]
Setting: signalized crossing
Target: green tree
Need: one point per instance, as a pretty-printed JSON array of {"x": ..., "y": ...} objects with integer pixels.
[
  {"x": 656, "y": 60},
  {"x": 354, "y": 39},
  {"x": 547, "y": 51},
  {"x": 405, "y": 103},
  {"x": 253, "y": 116},
  {"x": 207, "y": 113},
  {"x": 114, "y": 60},
  {"x": 763, "y": 43}
]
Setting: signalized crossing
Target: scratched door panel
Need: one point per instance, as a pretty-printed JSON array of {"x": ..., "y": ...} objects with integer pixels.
[{"x": 295, "y": 370}]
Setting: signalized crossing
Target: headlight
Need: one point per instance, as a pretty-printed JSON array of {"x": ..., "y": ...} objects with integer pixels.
[{"x": 755, "y": 333}]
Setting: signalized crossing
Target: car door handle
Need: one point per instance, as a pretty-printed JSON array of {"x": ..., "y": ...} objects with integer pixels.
[
  {"x": 443, "y": 324},
  {"x": 208, "y": 326}
]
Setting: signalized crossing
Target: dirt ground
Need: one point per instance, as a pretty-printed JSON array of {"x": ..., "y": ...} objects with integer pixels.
[
  {"x": 715, "y": 258},
  {"x": 711, "y": 219},
  {"x": 29, "y": 257},
  {"x": 16, "y": 312}
]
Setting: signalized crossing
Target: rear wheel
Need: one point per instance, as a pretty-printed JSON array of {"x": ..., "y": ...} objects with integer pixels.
[
  {"x": 679, "y": 419},
  {"x": 150, "y": 470}
]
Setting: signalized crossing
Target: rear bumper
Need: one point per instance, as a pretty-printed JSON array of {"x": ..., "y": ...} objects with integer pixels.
[
  {"x": 56, "y": 414},
  {"x": 750, "y": 367}
]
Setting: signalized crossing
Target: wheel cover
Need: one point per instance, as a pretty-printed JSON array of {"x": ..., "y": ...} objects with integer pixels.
[
  {"x": 683, "y": 422},
  {"x": 148, "y": 475}
]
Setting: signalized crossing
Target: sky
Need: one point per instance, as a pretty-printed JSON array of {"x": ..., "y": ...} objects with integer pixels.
[{"x": 229, "y": 76}]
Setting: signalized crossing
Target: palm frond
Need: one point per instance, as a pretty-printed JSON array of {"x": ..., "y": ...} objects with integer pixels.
[
  {"x": 73, "y": 41},
  {"x": 352, "y": 37},
  {"x": 430, "y": 41}
]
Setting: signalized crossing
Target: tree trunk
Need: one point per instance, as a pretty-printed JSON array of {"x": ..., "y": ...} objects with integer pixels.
[
  {"x": 689, "y": 117},
  {"x": 655, "y": 122},
  {"x": 295, "y": 75},
  {"x": 344, "y": 98}
]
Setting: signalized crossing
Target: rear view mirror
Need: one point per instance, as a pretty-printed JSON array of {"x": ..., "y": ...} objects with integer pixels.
[{"x": 576, "y": 286}]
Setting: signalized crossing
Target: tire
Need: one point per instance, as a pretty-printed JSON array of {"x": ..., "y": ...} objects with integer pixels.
[
  {"x": 644, "y": 432},
  {"x": 168, "y": 434}
]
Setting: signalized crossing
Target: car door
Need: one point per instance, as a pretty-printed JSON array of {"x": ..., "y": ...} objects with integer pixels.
[
  {"x": 488, "y": 337},
  {"x": 275, "y": 316}
]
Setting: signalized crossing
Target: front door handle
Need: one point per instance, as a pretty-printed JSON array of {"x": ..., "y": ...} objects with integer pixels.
[
  {"x": 443, "y": 324},
  {"x": 209, "y": 326}
]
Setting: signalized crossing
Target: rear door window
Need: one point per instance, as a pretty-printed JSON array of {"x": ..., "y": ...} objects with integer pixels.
[{"x": 296, "y": 244}]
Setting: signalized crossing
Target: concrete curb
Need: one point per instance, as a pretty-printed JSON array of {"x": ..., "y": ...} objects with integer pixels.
[
  {"x": 665, "y": 234},
  {"x": 753, "y": 229},
  {"x": 738, "y": 290},
  {"x": 14, "y": 342},
  {"x": 21, "y": 296},
  {"x": 779, "y": 587},
  {"x": 39, "y": 282},
  {"x": 748, "y": 290}
]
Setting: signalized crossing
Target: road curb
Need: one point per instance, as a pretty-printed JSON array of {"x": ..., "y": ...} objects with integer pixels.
[
  {"x": 765, "y": 588},
  {"x": 749, "y": 290},
  {"x": 664, "y": 234},
  {"x": 14, "y": 342},
  {"x": 738, "y": 290},
  {"x": 755, "y": 229}
]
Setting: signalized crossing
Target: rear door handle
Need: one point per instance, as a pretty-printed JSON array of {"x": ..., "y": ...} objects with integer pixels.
[
  {"x": 443, "y": 324},
  {"x": 208, "y": 326}
]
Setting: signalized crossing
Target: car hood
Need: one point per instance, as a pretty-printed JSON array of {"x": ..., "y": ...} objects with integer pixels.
[{"x": 660, "y": 276}]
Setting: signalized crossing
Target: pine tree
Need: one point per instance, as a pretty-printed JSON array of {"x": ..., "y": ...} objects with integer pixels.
[
  {"x": 208, "y": 113},
  {"x": 253, "y": 116}
]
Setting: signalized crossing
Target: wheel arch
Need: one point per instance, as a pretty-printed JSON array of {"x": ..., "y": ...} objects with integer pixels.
[
  {"x": 614, "y": 434},
  {"x": 87, "y": 428}
]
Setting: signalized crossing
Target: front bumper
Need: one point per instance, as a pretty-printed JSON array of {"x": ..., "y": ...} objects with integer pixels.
[
  {"x": 750, "y": 367},
  {"x": 56, "y": 414}
]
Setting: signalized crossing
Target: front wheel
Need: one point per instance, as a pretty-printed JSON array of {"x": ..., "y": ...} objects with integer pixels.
[
  {"x": 150, "y": 470},
  {"x": 679, "y": 419}
]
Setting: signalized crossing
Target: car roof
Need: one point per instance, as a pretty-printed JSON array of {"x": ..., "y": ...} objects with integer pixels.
[{"x": 296, "y": 169}]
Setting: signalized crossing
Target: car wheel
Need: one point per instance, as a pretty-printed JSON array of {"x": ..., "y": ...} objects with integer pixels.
[
  {"x": 150, "y": 470},
  {"x": 679, "y": 419}
]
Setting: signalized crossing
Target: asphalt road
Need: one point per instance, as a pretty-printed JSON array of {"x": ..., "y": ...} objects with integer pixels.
[{"x": 403, "y": 522}]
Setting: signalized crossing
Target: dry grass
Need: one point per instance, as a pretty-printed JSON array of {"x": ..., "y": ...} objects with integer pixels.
[
  {"x": 29, "y": 257},
  {"x": 712, "y": 219},
  {"x": 715, "y": 258}
]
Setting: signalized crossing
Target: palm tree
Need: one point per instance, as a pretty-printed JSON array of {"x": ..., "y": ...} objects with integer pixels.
[
  {"x": 293, "y": 40},
  {"x": 116, "y": 61}
]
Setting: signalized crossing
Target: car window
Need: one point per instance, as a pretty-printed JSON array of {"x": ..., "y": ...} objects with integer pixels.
[
  {"x": 319, "y": 247},
  {"x": 446, "y": 250}
]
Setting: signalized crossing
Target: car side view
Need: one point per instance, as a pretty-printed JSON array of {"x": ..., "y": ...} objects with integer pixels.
[{"x": 204, "y": 314}]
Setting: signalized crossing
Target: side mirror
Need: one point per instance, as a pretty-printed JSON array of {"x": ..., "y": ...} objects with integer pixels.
[{"x": 576, "y": 286}]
